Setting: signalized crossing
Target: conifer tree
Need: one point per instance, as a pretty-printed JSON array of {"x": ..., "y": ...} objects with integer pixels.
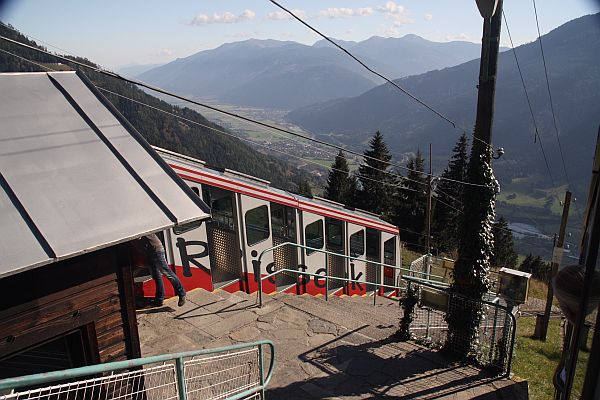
[
  {"x": 412, "y": 201},
  {"x": 304, "y": 188},
  {"x": 504, "y": 256},
  {"x": 375, "y": 195},
  {"x": 341, "y": 186},
  {"x": 446, "y": 218}
]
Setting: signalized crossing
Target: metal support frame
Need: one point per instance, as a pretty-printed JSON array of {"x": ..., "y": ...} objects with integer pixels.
[{"x": 327, "y": 277}]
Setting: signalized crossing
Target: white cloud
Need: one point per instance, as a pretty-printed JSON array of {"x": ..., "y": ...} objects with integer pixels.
[
  {"x": 460, "y": 36},
  {"x": 395, "y": 12},
  {"x": 343, "y": 12},
  {"x": 364, "y": 11},
  {"x": 281, "y": 15},
  {"x": 224, "y": 18},
  {"x": 428, "y": 17}
]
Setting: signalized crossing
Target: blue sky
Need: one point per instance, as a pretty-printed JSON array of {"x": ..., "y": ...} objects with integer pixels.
[{"x": 116, "y": 33}]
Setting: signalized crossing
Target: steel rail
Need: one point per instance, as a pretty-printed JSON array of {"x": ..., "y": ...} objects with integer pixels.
[{"x": 54, "y": 376}]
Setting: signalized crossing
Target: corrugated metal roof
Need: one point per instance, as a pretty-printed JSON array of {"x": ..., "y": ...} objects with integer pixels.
[{"x": 75, "y": 175}]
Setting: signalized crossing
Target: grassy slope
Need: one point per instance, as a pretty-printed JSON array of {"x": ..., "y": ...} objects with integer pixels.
[{"x": 536, "y": 361}]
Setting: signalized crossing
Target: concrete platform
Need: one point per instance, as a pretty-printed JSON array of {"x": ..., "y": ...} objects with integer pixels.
[{"x": 337, "y": 349}]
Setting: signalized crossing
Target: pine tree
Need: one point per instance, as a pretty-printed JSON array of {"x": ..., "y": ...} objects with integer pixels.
[
  {"x": 412, "y": 201},
  {"x": 341, "y": 186},
  {"x": 375, "y": 195},
  {"x": 446, "y": 218},
  {"x": 304, "y": 188},
  {"x": 504, "y": 256}
]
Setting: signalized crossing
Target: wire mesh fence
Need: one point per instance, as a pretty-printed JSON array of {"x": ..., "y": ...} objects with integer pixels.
[
  {"x": 221, "y": 376},
  {"x": 489, "y": 339},
  {"x": 235, "y": 372}
]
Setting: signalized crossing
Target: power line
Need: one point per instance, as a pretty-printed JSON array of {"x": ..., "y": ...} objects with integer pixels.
[
  {"x": 250, "y": 141},
  {"x": 219, "y": 130},
  {"x": 247, "y": 140},
  {"x": 550, "y": 94},
  {"x": 231, "y": 114},
  {"x": 406, "y": 92},
  {"x": 537, "y": 134},
  {"x": 359, "y": 61}
]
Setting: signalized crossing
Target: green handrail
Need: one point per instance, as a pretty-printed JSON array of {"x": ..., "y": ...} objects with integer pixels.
[{"x": 54, "y": 376}]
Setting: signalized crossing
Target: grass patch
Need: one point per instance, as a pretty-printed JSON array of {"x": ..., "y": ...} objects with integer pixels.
[{"x": 536, "y": 361}]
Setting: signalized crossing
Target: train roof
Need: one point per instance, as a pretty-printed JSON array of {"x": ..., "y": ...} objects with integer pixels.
[
  {"x": 197, "y": 170},
  {"x": 75, "y": 176}
]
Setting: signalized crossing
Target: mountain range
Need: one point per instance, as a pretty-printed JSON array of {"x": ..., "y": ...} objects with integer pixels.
[
  {"x": 573, "y": 65},
  {"x": 286, "y": 75}
]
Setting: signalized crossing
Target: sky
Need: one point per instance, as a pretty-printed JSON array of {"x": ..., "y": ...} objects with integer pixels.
[{"x": 129, "y": 32}]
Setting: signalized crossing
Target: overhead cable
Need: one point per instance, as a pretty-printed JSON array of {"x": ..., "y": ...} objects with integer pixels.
[
  {"x": 364, "y": 65},
  {"x": 231, "y": 114},
  {"x": 244, "y": 139},
  {"x": 550, "y": 94}
]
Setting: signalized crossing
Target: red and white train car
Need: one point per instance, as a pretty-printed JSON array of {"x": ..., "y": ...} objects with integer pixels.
[{"x": 249, "y": 216}]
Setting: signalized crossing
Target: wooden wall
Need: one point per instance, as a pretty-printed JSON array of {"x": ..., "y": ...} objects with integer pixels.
[{"x": 92, "y": 292}]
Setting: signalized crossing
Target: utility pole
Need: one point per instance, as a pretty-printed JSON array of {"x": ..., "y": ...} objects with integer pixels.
[
  {"x": 429, "y": 181},
  {"x": 556, "y": 257},
  {"x": 471, "y": 269}
]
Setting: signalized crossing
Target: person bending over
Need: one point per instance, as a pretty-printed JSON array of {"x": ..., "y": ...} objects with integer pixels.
[{"x": 152, "y": 247}]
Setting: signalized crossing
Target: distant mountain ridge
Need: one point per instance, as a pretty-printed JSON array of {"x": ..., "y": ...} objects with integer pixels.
[
  {"x": 286, "y": 75},
  {"x": 573, "y": 62}
]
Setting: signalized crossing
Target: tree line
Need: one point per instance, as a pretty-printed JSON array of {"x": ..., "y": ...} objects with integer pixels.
[{"x": 401, "y": 198}]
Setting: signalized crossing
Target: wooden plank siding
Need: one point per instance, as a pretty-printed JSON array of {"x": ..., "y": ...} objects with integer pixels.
[{"x": 92, "y": 292}]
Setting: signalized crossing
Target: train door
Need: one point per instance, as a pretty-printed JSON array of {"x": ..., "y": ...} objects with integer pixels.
[
  {"x": 187, "y": 251},
  {"x": 284, "y": 228},
  {"x": 257, "y": 230},
  {"x": 374, "y": 271},
  {"x": 222, "y": 233},
  {"x": 357, "y": 267},
  {"x": 313, "y": 235},
  {"x": 334, "y": 242},
  {"x": 391, "y": 255}
]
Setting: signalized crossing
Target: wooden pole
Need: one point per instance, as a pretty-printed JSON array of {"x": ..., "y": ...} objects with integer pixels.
[{"x": 556, "y": 257}]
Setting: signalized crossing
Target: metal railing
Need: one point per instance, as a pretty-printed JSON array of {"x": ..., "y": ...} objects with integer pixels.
[
  {"x": 376, "y": 285},
  {"x": 496, "y": 331},
  {"x": 228, "y": 373}
]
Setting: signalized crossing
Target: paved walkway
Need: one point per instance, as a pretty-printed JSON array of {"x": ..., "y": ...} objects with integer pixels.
[{"x": 342, "y": 348}]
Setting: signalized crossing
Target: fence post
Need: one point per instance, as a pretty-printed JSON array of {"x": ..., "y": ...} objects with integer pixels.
[
  {"x": 180, "y": 378},
  {"x": 260, "y": 370},
  {"x": 256, "y": 265},
  {"x": 494, "y": 327},
  {"x": 327, "y": 277}
]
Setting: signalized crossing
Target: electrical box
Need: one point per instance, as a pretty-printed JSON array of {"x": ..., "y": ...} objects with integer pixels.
[
  {"x": 434, "y": 299},
  {"x": 514, "y": 285}
]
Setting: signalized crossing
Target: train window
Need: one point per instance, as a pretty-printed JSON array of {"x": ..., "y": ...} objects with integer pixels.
[
  {"x": 196, "y": 190},
  {"x": 335, "y": 231},
  {"x": 283, "y": 222},
  {"x": 257, "y": 225},
  {"x": 389, "y": 251},
  {"x": 357, "y": 244},
  {"x": 221, "y": 206},
  {"x": 314, "y": 236},
  {"x": 373, "y": 244}
]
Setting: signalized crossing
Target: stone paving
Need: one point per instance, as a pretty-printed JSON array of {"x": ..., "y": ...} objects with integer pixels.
[{"x": 337, "y": 349}]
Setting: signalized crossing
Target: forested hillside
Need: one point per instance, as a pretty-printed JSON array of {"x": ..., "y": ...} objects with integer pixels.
[{"x": 161, "y": 129}]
